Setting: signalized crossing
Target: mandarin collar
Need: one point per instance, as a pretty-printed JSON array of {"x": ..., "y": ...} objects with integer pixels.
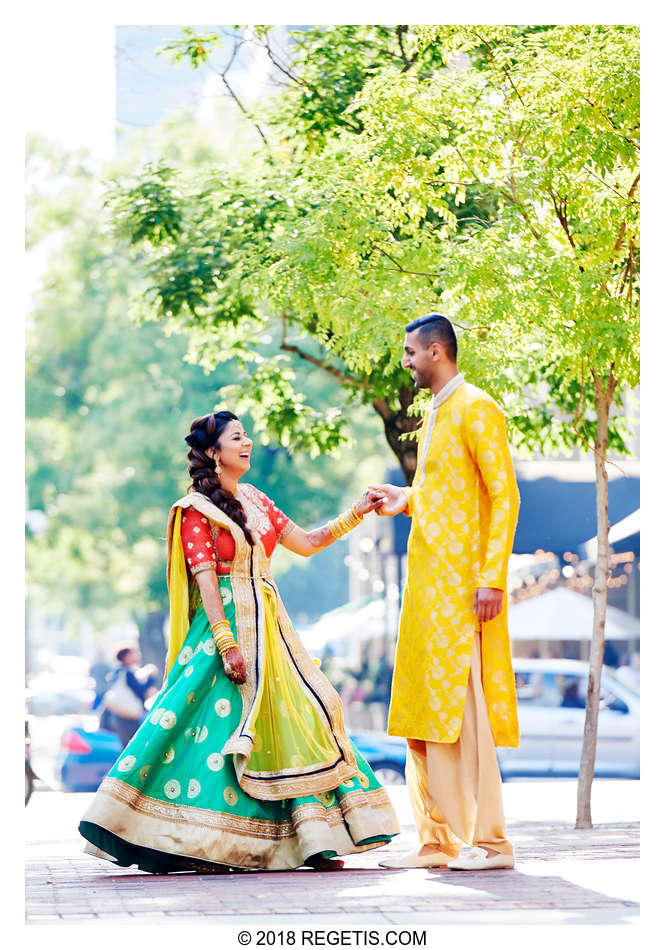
[{"x": 447, "y": 391}]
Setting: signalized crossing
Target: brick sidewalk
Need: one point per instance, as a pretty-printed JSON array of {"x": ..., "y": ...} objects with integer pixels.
[{"x": 562, "y": 876}]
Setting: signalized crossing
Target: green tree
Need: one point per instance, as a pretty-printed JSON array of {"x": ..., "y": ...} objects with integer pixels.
[
  {"x": 252, "y": 266},
  {"x": 107, "y": 405},
  {"x": 489, "y": 172},
  {"x": 548, "y": 122}
]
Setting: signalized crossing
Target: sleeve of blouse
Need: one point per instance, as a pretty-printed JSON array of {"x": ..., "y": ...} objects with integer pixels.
[
  {"x": 197, "y": 542},
  {"x": 280, "y": 522}
]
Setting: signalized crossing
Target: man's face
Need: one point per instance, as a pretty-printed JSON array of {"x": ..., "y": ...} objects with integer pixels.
[{"x": 418, "y": 360}]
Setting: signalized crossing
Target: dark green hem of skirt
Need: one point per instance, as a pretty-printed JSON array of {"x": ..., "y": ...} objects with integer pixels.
[
  {"x": 127, "y": 854},
  {"x": 146, "y": 859}
]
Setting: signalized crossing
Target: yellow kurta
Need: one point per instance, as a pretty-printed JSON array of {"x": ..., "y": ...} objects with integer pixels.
[{"x": 463, "y": 505}]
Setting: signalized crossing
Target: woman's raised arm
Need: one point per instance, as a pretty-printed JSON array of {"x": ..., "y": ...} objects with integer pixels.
[{"x": 307, "y": 543}]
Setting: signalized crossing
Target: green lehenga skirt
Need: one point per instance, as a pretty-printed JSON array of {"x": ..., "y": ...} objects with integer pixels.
[{"x": 173, "y": 802}]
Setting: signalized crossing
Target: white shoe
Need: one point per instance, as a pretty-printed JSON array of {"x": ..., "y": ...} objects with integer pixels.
[
  {"x": 434, "y": 859},
  {"x": 477, "y": 859}
]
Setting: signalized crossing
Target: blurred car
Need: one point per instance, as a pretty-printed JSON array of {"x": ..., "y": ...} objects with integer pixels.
[
  {"x": 551, "y": 706},
  {"x": 551, "y": 701},
  {"x": 386, "y": 755},
  {"x": 59, "y": 702},
  {"x": 85, "y": 757},
  {"x": 53, "y": 704},
  {"x": 551, "y": 710}
]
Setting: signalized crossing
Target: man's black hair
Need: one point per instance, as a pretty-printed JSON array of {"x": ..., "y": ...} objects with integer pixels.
[{"x": 434, "y": 326}]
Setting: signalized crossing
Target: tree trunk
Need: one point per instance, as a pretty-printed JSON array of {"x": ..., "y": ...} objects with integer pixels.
[
  {"x": 151, "y": 639},
  {"x": 597, "y": 647},
  {"x": 395, "y": 423}
]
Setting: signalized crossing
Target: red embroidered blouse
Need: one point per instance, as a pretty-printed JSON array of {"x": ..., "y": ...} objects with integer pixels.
[{"x": 206, "y": 545}]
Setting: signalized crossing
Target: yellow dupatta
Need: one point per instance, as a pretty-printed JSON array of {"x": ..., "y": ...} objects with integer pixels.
[{"x": 178, "y": 585}]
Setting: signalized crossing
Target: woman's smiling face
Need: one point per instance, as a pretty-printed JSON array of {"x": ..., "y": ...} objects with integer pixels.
[{"x": 233, "y": 450}]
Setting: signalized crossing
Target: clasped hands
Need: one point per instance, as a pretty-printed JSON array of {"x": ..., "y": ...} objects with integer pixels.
[{"x": 390, "y": 500}]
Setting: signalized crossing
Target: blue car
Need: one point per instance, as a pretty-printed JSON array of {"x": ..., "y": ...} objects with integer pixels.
[
  {"x": 86, "y": 757},
  {"x": 385, "y": 754}
]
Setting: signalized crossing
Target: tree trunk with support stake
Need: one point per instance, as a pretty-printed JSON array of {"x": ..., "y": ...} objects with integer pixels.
[{"x": 597, "y": 648}]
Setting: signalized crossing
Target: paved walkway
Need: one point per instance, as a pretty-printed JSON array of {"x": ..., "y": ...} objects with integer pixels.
[{"x": 563, "y": 876}]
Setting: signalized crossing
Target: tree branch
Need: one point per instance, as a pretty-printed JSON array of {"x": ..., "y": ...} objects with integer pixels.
[
  {"x": 622, "y": 230},
  {"x": 620, "y": 238},
  {"x": 506, "y": 194},
  {"x": 599, "y": 179},
  {"x": 344, "y": 378},
  {"x": 504, "y": 71},
  {"x": 402, "y": 270},
  {"x": 560, "y": 211},
  {"x": 408, "y": 63},
  {"x": 307, "y": 85},
  {"x": 600, "y": 393},
  {"x": 383, "y": 408},
  {"x": 474, "y": 217},
  {"x": 522, "y": 210},
  {"x": 237, "y": 100},
  {"x": 593, "y": 105}
]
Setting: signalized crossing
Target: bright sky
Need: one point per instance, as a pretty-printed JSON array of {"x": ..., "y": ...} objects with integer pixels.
[
  {"x": 70, "y": 96},
  {"x": 92, "y": 72}
]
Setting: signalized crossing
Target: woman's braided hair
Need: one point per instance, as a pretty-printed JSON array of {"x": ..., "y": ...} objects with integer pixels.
[{"x": 204, "y": 433}]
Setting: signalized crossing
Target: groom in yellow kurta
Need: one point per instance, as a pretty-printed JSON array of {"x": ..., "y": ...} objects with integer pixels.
[{"x": 453, "y": 694}]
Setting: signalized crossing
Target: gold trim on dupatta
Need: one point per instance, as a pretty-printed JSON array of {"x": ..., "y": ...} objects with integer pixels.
[{"x": 250, "y": 569}]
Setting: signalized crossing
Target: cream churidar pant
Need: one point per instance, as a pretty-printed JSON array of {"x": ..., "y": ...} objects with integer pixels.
[{"x": 455, "y": 788}]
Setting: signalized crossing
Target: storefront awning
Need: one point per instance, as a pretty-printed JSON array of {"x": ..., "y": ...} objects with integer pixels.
[
  {"x": 558, "y": 503},
  {"x": 563, "y": 614}
]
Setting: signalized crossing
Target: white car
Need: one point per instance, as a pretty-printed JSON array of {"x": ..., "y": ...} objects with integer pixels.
[{"x": 551, "y": 709}]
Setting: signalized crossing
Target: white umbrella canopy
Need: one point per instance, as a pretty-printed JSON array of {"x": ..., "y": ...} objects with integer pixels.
[
  {"x": 364, "y": 623},
  {"x": 563, "y": 614}
]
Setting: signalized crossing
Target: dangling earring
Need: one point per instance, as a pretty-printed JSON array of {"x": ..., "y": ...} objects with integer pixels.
[{"x": 218, "y": 470}]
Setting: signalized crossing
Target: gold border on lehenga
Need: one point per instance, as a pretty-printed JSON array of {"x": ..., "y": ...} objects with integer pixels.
[{"x": 220, "y": 837}]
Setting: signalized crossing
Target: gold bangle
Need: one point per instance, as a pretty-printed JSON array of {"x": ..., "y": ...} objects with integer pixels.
[
  {"x": 219, "y": 625},
  {"x": 223, "y": 635},
  {"x": 225, "y": 644},
  {"x": 223, "y": 632},
  {"x": 344, "y": 523}
]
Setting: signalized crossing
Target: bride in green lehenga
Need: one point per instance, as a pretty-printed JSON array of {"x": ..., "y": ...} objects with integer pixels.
[{"x": 244, "y": 760}]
